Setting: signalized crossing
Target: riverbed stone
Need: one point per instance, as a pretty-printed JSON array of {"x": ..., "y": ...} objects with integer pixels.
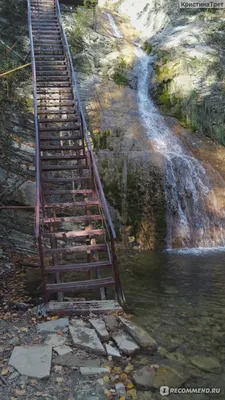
[
  {"x": 99, "y": 326},
  {"x": 55, "y": 340},
  {"x": 111, "y": 322},
  {"x": 62, "y": 350},
  {"x": 150, "y": 377},
  {"x": 88, "y": 371},
  {"x": 139, "y": 335},
  {"x": 32, "y": 361},
  {"x": 121, "y": 390},
  {"x": 206, "y": 363},
  {"x": 53, "y": 326},
  {"x": 112, "y": 351},
  {"x": 72, "y": 360},
  {"x": 125, "y": 343},
  {"x": 87, "y": 339}
]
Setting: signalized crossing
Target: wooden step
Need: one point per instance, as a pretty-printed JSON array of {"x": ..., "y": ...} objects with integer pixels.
[
  {"x": 74, "y": 204},
  {"x": 48, "y": 72},
  {"x": 83, "y": 307},
  {"x": 75, "y": 191},
  {"x": 75, "y": 249},
  {"x": 53, "y": 120},
  {"x": 63, "y": 167},
  {"x": 74, "y": 234},
  {"x": 61, "y": 111},
  {"x": 77, "y": 219},
  {"x": 76, "y": 127},
  {"x": 63, "y": 157},
  {"x": 66, "y": 180},
  {"x": 60, "y": 148},
  {"x": 82, "y": 286},
  {"x": 60, "y": 138},
  {"x": 78, "y": 267}
]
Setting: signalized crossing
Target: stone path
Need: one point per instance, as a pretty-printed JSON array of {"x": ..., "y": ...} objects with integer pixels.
[{"x": 81, "y": 359}]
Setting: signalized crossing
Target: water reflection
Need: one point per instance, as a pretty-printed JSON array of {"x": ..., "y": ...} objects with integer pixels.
[{"x": 180, "y": 299}]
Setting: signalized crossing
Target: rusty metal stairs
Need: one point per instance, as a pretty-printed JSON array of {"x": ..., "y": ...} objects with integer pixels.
[{"x": 73, "y": 226}]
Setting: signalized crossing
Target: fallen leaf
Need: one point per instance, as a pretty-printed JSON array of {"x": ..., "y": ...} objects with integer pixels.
[
  {"x": 41, "y": 394},
  {"x": 19, "y": 392},
  {"x": 33, "y": 382},
  {"x": 123, "y": 376},
  {"x": 132, "y": 393},
  {"x": 54, "y": 318},
  {"x": 23, "y": 329},
  {"x": 36, "y": 339},
  {"x": 5, "y": 370},
  {"x": 130, "y": 386},
  {"x": 122, "y": 398},
  {"x": 59, "y": 380},
  {"x": 106, "y": 378},
  {"x": 129, "y": 368},
  {"x": 60, "y": 333},
  {"x": 107, "y": 393},
  {"x": 13, "y": 398},
  {"x": 58, "y": 368}
]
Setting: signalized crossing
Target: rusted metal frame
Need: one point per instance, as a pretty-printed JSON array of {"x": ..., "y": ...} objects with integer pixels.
[
  {"x": 37, "y": 139},
  {"x": 17, "y": 207}
]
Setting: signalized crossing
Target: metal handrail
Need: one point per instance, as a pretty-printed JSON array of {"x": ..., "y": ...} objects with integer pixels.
[
  {"x": 37, "y": 141},
  {"x": 85, "y": 129}
]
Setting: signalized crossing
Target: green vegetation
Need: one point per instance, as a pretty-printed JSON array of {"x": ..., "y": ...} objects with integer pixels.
[
  {"x": 148, "y": 47},
  {"x": 100, "y": 139},
  {"x": 120, "y": 75},
  {"x": 196, "y": 110}
]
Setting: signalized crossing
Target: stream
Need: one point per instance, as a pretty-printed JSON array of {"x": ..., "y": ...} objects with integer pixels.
[{"x": 178, "y": 294}]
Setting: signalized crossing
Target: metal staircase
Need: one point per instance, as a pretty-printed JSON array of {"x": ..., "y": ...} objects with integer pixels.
[{"x": 73, "y": 226}]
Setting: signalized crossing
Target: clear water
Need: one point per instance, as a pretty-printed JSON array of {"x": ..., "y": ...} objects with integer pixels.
[{"x": 179, "y": 298}]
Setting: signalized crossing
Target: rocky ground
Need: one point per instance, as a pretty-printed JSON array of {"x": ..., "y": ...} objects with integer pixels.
[{"x": 81, "y": 358}]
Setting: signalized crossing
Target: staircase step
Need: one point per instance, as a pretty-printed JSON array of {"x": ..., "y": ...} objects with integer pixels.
[
  {"x": 48, "y": 72},
  {"x": 60, "y": 148},
  {"x": 83, "y": 307},
  {"x": 81, "y": 286},
  {"x": 63, "y": 157},
  {"x": 89, "y": 203},
  {"x": 75, "y": 127},
  {"x": 63, "y": 167},
  {"x": 78, "y": 267},
  {"x": 66, "y": 180},
  {"x": 73, "y": 234},
  {"x": 50, "y": 121},
  {"x": 61, "y": 111},
  {"x": 75, "y": 249},
  {"x": 78, "y": 219},
  {"x": 60, "y": 138},
  {"x": 75, "y": 191}
]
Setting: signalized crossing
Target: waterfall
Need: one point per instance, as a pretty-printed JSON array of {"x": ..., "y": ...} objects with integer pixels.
[
  {"x": 114, "y": 27},
  {"x": 195, "y": 218}
]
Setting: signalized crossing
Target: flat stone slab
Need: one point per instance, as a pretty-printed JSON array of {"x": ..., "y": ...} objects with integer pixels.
[
  {"x": 149, "y": 377},
  {"x": 55, "y": 340},
  {"x": 87, "y": 339},
  {"x": 99, "y": 326},
  {"x": 53, "y": 326},
  {"x": 139, "y": 335},
  {"x": 121, "y": 390},
  {"x": 125, "y": 343},
  {"x": 112, "y": 351},
  {"x": 72, "y": 360},
  {"x": 79, "y": 323},
  {"x": 88, "y": 371},
  {"x": 206, "y": 363},
  {"x": 62, "y": 350},
  {"x": 33, "y": 361},
  {"x": 111, "y": 322}
]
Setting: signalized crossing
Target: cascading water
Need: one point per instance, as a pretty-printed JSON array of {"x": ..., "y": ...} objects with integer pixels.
[{"x": 194, "y": 216}]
